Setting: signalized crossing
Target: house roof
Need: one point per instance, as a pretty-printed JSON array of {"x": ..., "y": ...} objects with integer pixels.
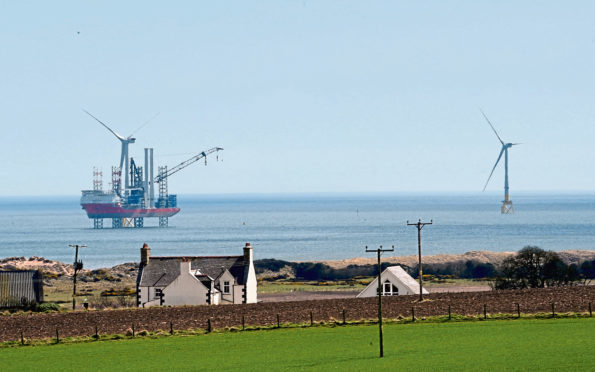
[
  {"x": 396, "y": 272},
  {"x": 404, "y": 278},
  {"x": 161, "y": 271}
]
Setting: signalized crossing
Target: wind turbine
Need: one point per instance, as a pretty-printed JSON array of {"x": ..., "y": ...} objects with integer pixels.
[
  {"x": 124, "y": 162},
  {"x": 506, "y": 203}
]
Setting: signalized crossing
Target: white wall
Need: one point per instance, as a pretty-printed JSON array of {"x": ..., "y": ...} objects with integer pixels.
[
  {"x": 227, "y": 277},
  {"x": 186, "y": 289},
  {"x": 250, "y": 282}
]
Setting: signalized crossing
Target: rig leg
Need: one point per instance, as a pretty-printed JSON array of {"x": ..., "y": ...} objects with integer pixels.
[
  {"x": 163, "y": 221},
  {"x": 138, "y": 222},
  {"x": 98, "y": 223},
  {"x": 116, "y": 223}
]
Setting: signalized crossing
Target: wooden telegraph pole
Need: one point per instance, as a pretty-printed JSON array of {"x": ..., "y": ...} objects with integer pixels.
[
  {"x": 379, "y": 251},
  {"x": 419, "y": 226},
  {"x": 78, "y": 265}
]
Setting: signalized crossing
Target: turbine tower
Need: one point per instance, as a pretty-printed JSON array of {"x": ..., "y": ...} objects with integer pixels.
[
  {"x": 124, "y": 160},
  {"x": 506, "y": 203}
]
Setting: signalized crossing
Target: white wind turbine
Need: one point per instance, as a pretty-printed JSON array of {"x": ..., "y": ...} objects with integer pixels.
[
  {"x": 124, "y": 160},
  {"x": 506, "y": 203}
]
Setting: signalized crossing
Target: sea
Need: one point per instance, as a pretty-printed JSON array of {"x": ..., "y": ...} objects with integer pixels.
[{"x": 303, "y": 227}]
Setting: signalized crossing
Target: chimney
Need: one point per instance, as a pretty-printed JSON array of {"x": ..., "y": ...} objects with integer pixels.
[
  {"x": 184, "y": 265},
  {"x": 145, "y": 254},
  {"x": 248, "y": 253}
]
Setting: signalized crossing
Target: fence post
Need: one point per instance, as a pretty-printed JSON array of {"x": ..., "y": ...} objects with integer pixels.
[
  {"x": 133, "y": 333},
  {"x": 278, "y": 325},
  {"x": 412, "y": 314},
  {"x": 343, "y": 316},
  {"x": 57, "y": 336},
  {"x": 448, "y": 312},
  {"x": 23, "y": 338},
  {"x": 243, "y": 323},
  {"x": 485, "y": 311},
  {"x": 311, "y": 319},
  {"x": 518, "y": 310},
  {"x": 171, "y": 327},
  {"x": 553, "y": 311},
  {"x": 590, "y": 312},
  {"x": 209, "y": 325},
  {"x": 96, "y": 333}
]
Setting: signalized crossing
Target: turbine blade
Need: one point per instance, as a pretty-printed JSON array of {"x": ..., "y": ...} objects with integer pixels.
[
  {"x": 143, "y": 124},
  {"x": 492, "y": 172},
  {"x": 488, "y": 120},
  {"x": 514, "y": 144},
  {"x": 108, "y": 128}
]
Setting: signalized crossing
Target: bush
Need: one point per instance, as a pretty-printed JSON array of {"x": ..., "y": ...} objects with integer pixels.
[{"x": 48, "y": 307}]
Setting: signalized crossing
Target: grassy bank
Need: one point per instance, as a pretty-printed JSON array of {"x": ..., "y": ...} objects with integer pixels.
[{"x": 536, "y": 344}]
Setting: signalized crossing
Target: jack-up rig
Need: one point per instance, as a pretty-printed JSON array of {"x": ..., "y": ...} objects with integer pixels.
[{"x": 127, "y": 205}]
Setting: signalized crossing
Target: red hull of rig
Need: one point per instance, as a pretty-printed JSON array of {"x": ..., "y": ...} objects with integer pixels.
[{"x": 114, "y": 211}]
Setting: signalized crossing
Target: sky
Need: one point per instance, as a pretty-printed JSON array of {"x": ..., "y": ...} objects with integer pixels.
[{"x": 304, "y": 96}]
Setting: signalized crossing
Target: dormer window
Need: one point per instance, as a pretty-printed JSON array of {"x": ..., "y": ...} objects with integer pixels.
[
  {"x": 226, "y": 287},
  {"x": 387, "y": 288}
]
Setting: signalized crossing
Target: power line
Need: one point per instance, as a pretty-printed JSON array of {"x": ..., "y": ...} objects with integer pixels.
[
  {"x": 379, "y": 251},
  {"x": 420, "y": 225},
  {"x": 78, "y": 265}
]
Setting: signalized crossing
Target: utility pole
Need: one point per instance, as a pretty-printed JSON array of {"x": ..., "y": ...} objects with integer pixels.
[
  {"x": 420, "y": 225},
  {"x": 78, "y": 265},
  {"x": 379, "y": 251}
]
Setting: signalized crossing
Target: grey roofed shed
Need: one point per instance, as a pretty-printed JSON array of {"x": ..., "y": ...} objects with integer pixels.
[{"x": 20, "y": 285}]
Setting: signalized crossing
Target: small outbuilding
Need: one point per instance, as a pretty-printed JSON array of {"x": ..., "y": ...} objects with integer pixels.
[
  {"x": 196, "y": 280},
  {"x": 395, "y": 282}
]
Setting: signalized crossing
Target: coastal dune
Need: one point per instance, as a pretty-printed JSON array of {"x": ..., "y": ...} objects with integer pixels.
[{"x": 495, "y": 258}]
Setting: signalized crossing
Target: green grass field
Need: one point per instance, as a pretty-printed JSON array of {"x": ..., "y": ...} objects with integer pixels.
[{"x": 531, "y": 345}]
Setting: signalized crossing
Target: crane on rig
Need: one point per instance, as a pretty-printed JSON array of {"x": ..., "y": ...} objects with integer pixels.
[
  {"x": 162, "y": 176},
  {"x": 165, "y": 200}
]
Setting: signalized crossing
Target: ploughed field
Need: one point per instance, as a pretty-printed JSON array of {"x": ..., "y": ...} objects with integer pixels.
[{"x": 83, "y": 323}]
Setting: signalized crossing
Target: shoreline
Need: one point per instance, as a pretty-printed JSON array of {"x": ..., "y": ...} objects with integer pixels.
[
  {"x": 495, "y": 258},
  {"x": 571, "y": 256}
]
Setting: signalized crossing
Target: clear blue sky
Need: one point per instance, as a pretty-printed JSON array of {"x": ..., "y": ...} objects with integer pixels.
[{"x": 305, "y": 96}]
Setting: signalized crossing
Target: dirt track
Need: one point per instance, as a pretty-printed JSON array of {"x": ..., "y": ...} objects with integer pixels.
[{"x": 81, "y": 323}]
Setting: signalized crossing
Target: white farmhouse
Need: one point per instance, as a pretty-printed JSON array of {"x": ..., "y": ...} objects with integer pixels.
[
  {"x": 395, "y": 282},
  {"x": 195, "y": 280}
]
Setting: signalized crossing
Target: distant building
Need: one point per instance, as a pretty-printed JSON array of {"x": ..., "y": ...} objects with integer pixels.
[
  {"x": 196, "y": 280},
  {"x": 395, "y": 282},
  {"x": 20, "y": 287}
]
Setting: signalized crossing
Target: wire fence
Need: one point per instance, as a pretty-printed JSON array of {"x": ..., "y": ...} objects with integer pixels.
[{"x": 438, "y": 307}]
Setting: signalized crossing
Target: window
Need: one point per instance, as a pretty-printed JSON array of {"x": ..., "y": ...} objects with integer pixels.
[
  {"x": 226, "y": 287},
  {"x": 387, "y": 289},
  {"x": 158, "y": 292}
]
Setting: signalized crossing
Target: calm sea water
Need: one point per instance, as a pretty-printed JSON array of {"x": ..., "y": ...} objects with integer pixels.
[{"x": 302, "y": 227}]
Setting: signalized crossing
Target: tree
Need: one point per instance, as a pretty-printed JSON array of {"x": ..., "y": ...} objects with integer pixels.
[{"x": 532, "y": 267}]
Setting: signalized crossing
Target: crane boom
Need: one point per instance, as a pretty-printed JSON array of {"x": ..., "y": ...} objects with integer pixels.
[{"x": 186, "y": 163}]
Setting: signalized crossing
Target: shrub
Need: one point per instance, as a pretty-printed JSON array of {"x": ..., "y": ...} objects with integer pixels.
[{"x": 48, "y": 307}]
